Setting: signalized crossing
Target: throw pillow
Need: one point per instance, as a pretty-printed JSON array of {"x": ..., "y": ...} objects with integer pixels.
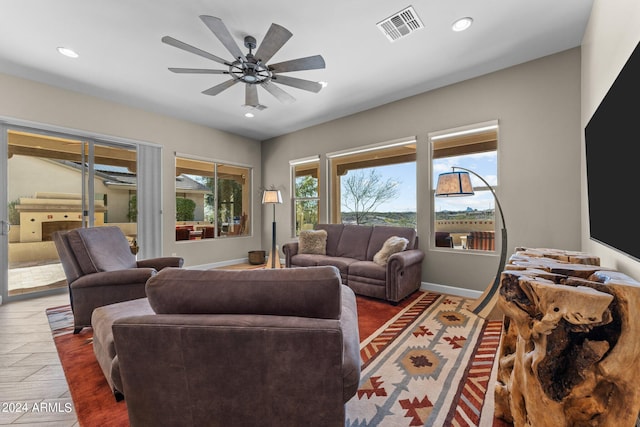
[
  {"x": 312, "y": 242},
  {"x": 392, "y": 245}
]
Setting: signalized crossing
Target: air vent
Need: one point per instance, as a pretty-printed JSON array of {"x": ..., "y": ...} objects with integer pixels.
[{"x": 401, "y": 24}]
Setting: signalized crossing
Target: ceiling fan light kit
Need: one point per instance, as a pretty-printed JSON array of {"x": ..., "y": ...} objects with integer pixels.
[{"x": 252, "y": 69}]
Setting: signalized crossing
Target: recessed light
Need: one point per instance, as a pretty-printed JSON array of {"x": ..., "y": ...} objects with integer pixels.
[
  {"x": 249, "y": 115},
  {"x": 324, "y": 84},
  {"x": 462, "y": 24},
  {"x": 68, "y": 52}
]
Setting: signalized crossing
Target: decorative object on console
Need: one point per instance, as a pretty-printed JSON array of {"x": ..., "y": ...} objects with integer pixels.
[
  {"x": 569, "y": 348},
  {"x": 391, "y": 246},
  {"x": 273, "y": 196},
  {"x": 313, "y": 242},
  {"x": 456, "y": 184}
]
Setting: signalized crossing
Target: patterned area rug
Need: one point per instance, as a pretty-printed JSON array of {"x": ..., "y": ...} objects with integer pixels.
[
  {"x": 426, "y": 362},
  {"x": 94, "y": 403},
  {"x": 431, "y": 365}
]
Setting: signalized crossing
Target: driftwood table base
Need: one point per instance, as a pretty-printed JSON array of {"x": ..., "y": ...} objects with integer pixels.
[{"x": 570, "y": 351}]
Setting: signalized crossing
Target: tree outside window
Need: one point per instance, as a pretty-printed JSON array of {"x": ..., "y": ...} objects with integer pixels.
[
  {"x": 375, "y": 185},
  {"x": 306, "y": 195},
  {"x": 363, "y": 192}
]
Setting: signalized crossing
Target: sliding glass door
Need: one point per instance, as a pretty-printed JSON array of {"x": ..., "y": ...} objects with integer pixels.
[{"x": 58, "y": 182}]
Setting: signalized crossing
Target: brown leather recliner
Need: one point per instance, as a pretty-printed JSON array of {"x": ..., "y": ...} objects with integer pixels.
[
  {"x": 101, "y": 269},
  {"x": 239, "y": 348}
]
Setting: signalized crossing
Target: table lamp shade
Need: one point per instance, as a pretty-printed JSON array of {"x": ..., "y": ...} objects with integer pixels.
[{"x": 452, "y": 184}]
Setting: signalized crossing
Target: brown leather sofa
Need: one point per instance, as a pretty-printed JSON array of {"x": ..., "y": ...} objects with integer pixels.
[
  {"x": 100, "y": 269},
  {"x": 351, "y": 248},
  {"x": 236, "y": 348}
]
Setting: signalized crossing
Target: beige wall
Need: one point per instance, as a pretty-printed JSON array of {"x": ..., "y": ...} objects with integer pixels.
[
  {"x": 34, "y": 102},
  {"x": 23, "y": 173},
  {"x": 611, "y": 35},
  {"x": 537, "y": 105}
]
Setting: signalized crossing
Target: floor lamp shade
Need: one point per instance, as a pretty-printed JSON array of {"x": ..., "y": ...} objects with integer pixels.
[
  {"x": 273, "y": 197},
  {"x": 452, "y": 184},
  {"x": 458, "y": 183}
]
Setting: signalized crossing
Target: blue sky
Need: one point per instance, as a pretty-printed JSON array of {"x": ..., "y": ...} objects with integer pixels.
[
  {"x": 483, "y": 164},
  {"x": 405, "y": 175}
]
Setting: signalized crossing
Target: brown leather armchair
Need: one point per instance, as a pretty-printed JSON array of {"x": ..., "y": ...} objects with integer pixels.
[
  {"x": 101, "y": 269},
  {"x": 238, "y": 348}
]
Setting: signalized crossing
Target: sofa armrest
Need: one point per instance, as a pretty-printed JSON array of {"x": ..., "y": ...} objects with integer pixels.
[
  {"x": 114, "y": 278},
  {"x": 404, "y": 259},
  {"x": 161, "y": 262},
  {"x": 404, "y": 271},
  {"x": 290, "y": 249},
  {"x": 352, "y": 361}
]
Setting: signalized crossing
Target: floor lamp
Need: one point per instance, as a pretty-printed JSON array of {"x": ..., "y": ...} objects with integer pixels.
[
  {"x": 455, "y": 184},
  {"x": 273, "y": 197}
]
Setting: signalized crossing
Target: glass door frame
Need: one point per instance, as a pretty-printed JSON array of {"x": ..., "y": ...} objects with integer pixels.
[{"x": 88, "y": 144}]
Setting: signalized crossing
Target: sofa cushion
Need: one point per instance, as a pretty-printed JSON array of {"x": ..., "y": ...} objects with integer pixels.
[
  {"x": 312, "y": 242},
  {"x": 354, "y": 242},
  {"x": 341, "y": 263},
  {"x": 368, "y": 269},
  {"x": 268, "y": 292},
  {"x": 381, "y": 233},
  {"x": 334, "y": 232},
  {"x": 305, "y": 260},
  {"x": 391, "y": 246}
]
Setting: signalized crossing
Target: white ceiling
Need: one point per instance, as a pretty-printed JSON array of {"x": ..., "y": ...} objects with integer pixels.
[{"x": 122, "y": 58}]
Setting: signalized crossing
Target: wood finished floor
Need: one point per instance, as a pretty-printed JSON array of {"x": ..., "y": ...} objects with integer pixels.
[{"x": 33, "y": 389}]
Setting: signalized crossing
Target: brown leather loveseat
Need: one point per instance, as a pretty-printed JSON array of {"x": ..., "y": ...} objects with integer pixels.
[
  {"x": 352, "y": 249},
  {"x": 236, "y": 348}
]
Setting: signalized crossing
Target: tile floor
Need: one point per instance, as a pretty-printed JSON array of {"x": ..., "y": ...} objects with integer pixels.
[{"x": 33, "y": 389}]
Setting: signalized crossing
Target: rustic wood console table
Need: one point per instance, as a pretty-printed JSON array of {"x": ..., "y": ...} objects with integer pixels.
[{"x": 570, "y": 350}]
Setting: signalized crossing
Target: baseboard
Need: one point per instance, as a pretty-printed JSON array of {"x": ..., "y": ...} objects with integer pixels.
[
  {"x": 450, "y": 290},
  {"x": 218, "y": 264}
]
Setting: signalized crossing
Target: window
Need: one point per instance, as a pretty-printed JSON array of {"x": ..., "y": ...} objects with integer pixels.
[
  {"x": 375, "y": 184},
  {"x": 61, "y": 181},
  {"x": 466, "y": 222},
  {"x": 212, "y": 199},
  {"x": 306, "y": 195}
]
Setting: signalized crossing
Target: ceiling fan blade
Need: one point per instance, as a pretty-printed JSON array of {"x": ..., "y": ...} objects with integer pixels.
[
  {"x": 219, "y": 88},
  {"x": 251, "y": 96},
  {"x": 187, "y": 47},
  {"x": 197, "y": 71},
  {"x": 298, "y": 83},
  {"x": 275, "y": 38},
  {"x": 309, "y": 63},
  {"x": 280, "y": 94},
  {"x": 221, "y": 31}
]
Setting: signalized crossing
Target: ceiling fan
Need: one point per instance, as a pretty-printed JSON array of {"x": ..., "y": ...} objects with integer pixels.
[{"x": 252, "y": 69}]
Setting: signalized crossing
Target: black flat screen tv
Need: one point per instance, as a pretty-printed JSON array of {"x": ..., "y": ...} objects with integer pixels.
[{"x": 612, "y": 143}]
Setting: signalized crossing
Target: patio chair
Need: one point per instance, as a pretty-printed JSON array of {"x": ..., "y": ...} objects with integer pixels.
[{"x": 101, "y": 269}]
